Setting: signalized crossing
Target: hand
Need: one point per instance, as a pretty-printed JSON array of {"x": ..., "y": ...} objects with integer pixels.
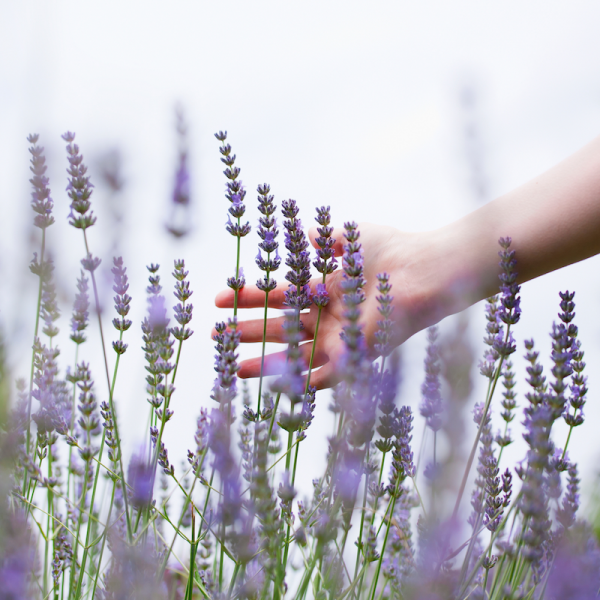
[{"x": 386, "y": 249}]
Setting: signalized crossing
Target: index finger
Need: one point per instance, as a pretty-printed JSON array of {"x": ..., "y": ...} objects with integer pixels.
[{"x": 251, "y": 297}]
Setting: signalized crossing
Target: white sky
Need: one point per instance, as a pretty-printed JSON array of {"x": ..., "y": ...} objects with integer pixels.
[{"x": 351, "y": 104}]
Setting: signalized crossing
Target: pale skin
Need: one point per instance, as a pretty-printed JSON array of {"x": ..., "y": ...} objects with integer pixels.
[{"x": 553, "y": 220}]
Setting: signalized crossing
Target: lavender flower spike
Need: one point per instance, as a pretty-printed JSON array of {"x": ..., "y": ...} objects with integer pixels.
[
  {"x": 297, "y": 296},
  {"x": 267, "y": 232},
  {"x": 79, "y": 188},
  {"x": 325, "y": 252},
  {"x": 122, "y": 300},
  {"x": 383, "y": 334},
  {"x": 41, "y": 202},
  {"x": 183, "y": 311},
  {"x": 431, "y": 404},
  {"x": 79, "y": 320}
]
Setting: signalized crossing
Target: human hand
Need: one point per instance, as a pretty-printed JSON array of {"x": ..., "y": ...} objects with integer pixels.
[{"x": 386, "y": 249}]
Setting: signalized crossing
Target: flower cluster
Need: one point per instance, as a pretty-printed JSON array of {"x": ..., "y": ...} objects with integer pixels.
[
  {"x": 298, "y": 295},
  {"x": 237, "y": 528},
  {"x": 267, "y": 231}
]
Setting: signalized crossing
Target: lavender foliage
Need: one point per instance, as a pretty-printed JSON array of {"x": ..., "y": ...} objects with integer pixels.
[{"x": 232, "y": 521}]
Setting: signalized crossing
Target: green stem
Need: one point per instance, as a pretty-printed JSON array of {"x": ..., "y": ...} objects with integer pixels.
[
  {"x": 73, "y": 412},
  {"x": 262, "y": 357},
  {"x": 237, "y": 273},
  {"x": 362, "y": 520},
  {"x": 35, "y": 335},
  {"x": 488, "y": 400},
  {"x": 110, "y": 388},
  {"x": 48, "y": 520},
  {"x": 90, "y": 522},
  {"x": 385, "y": 539},
  {"x": 110, "y": 506}
]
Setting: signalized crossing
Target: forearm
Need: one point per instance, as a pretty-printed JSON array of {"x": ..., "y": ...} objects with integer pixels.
[{"x": 553, "y": 220}]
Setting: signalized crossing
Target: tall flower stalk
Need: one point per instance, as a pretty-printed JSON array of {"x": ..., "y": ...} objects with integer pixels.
[
  {"x": 235, "y": 193},
  {"x": 267, "y": 232}
]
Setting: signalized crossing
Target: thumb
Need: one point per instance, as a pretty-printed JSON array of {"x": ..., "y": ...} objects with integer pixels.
[{"x": 337, "y": 235}]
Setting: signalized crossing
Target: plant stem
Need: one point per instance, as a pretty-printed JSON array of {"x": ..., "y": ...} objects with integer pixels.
[
  {"x": 35, "y": 335},
  {"x": 488, "y": 400},
  {"x": 110, "y": 387}
]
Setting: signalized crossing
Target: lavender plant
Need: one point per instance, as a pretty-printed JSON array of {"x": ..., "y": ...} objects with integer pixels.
[{"x": 86, "y": 522}]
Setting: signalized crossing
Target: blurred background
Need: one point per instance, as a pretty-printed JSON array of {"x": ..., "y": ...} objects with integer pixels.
[{"x": 403, "y": 113}]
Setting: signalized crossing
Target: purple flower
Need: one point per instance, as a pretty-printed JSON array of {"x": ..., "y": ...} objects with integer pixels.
[
  {"x": 431, "y": 404},
  {"x": 182, "y": 310},
  {"x": 235, "y": 191},
  {"x": 91, "y": 263},
  {"x": 178, "y": 225},
  {"x": 141, "y": 479},
  {"x": 49, "y": 307},
  {"x": 575, "y": 569},
  {"x": 228, "y": 339},
  {"x": 325, "y": 252},
  {"x": 17, "y": 556},
  {"x": 158, "y": 343},
  {"x": 79, "y": 188},
  {"x": 41, "y": 202},
  {"x": 384, "y": 326},
  {"x": 122, "y": 298},
  {"x": 298, "y": 295},
  {"x": 510, "y": 313},
  {"x": 570, "y": 504},
  {"x": 267, "y": 232},
  {"x": 402, "y": 456},
  {"x": 51, "y": 392},
  {"x": 352, "y": 285},
  {"x": 321, "y": 297},
  {"x": 79, "y": 320},
  {"x": 508, "y": 404}
]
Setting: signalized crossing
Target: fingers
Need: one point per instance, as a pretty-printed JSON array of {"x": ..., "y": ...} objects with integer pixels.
[
  {"x": 252, "y": 331},
  {"x": 276, "y": 364},
  {"x": 251, "y": 297}
]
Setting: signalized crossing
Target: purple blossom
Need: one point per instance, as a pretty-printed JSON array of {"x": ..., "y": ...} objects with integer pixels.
[
  {"x": 267, "y": 232},
  {"x": 140, "y": 477},
  {"x": 325, "y": 262},
  {"x": 321, "y": 297},
  {"x": 235, "y": 191},
  {"x": 402, "y": 455},
  {"x": 510, "y": 312},
  {"x": 384, "y": 325},
  {"x": 431, "y": 404},
  {"x": 182, "y": 310},
  {"x": 79, "y": 320},
  {"x": 228, "y": 339},
  {"x": 79, "y": 188},
  {"x": 17, "y": 556},
  {"x": 298, "y": 295},
  {"x": 50, "y": 391},
  {"x": 41, "y": 202},
  {"x": 49, "y": 311},
  {"x": 352, "y": 285},
  {"x": 91, "y": 263},
  {"x": 122, "y": 300},
  {"x": 570, "y": 504}
]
